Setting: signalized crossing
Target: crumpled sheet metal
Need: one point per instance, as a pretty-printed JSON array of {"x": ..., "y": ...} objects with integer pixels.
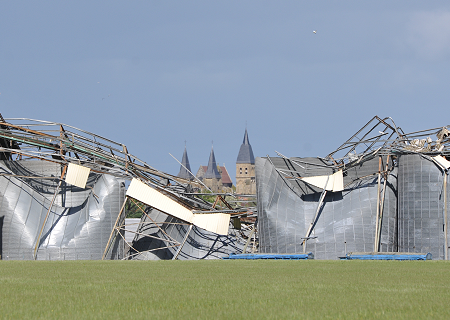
[
  {"x": 347, "y": 220},
  {"x": 79, "y": 223},
  {"x": 217, "y": 223},
  {"x": 200, "y": 244}
]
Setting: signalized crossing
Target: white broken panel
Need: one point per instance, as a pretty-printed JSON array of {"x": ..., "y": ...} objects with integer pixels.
[
  {"x": 217, "y": 222},
  {"x": 214, "y": 222},
  {"x": 319, "y": 181},
  {"x": 338, "y": 184},
  {"x": 335, "y": 181},
  {"x": 77, "y": 175},
  {"x": 142, "y": 192},
  {"x": 440, "y": 160}
]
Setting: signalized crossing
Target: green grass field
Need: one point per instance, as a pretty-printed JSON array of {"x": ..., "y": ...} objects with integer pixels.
[{"x": 224, "y": 289}]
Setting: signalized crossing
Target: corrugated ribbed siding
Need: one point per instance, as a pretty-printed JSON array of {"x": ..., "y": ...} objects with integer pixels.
[
  {"x": 77, "y": 175},
  {"x": 216, "y": 222}
]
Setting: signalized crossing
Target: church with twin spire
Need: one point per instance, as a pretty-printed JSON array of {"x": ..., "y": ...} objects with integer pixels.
[{"x": 216, "y": 177}]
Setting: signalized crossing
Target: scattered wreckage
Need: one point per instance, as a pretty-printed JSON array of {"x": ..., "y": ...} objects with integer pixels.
[
  {"x": 64, "y": 195},
  {"x": 383, "y": 190}
]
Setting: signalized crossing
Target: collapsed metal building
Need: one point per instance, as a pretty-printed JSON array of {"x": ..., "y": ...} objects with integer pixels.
[
  {"x": 64, "y": 193},
  {"x": 383, "y": 190}
]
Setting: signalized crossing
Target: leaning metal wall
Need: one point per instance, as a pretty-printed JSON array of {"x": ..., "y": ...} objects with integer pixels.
[
  {"x": 347, "y": 219},
  {"x": 80, "y": 220}
]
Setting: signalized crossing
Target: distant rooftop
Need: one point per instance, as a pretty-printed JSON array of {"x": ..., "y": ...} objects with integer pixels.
[{"x": 225, "y": 176}]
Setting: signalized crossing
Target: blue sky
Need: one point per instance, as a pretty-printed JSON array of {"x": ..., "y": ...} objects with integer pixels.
[{"x": 154, "y": 74}]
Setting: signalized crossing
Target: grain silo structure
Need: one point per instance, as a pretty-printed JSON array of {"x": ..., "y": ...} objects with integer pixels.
[
  {"x": 65, "y": 194},
  {"x": 381, "y": 191},
  {"x": 71, "y": 223},
  {"x": 422, "y": 205}
]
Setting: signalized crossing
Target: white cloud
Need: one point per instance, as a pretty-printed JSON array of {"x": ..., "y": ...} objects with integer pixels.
[{"x": 429, "y": 34}]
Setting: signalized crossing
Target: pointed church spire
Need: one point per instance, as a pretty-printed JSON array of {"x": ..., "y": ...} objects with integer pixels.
[
  {"x": 212, "y": 172},
  {"x": 245, "y": 141},
  {"x": 246, "y": 153},
  {"x": 185, "y": 174}
]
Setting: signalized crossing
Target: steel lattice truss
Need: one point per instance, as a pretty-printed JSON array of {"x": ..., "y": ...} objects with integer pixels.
[
  {"x": 25, "y": 139},
  {"x": 383, "y": 137}
]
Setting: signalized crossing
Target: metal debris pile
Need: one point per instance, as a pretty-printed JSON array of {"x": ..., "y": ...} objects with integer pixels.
[{"x": 67, "y": 146}]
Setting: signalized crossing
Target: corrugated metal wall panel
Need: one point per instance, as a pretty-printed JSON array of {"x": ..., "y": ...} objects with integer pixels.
[
  {"x": 77, "y": 175},
  {"x": 346, "y": 222},
  {"x": 444, "y": 163},
  {"x": 200, "y": 244},
  {"x": 75, "y": 232},
  {"x": 216, "y": 222},
  {"x": 420, "y": 206}
]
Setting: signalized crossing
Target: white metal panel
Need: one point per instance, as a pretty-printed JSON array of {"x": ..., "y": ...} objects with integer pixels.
[
  {"x": 142, "y": 192},
  {"x": 338, "y": 184},
  {"x": 77, "y": 175},
  {"x": 214, "y": 222},
  {"x": 335, "y": 181},
  {"x": 318, "y": 181},
  {"x": 444, "y": 163},
  {"x": 321, "y": 181}
]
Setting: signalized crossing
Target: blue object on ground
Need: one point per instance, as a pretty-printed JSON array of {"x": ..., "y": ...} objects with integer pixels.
[
  {"x": 387, "y": 256},
  {"x": 274, "y": 256}
]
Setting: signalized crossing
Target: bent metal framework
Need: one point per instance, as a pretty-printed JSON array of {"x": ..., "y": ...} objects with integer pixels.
[
  {"x": 64, "y": 194},
  {"x": 64, "y": 197},
  {"x": 382, "y": 190}
]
